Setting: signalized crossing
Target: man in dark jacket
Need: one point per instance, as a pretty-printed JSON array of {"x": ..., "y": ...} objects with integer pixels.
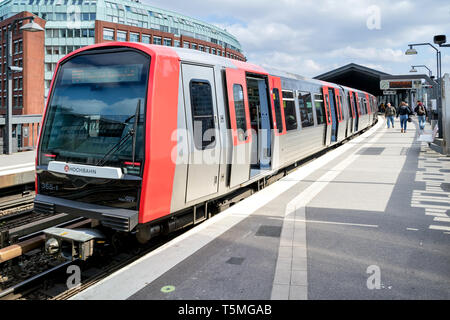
[{"x": 390, "y": 114}]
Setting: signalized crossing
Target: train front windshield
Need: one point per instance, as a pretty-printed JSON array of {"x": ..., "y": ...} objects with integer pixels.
[{"x": 96, "y": 108}]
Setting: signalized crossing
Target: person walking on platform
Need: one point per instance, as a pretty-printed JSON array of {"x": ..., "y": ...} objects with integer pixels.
[
  {"x": 382, "y": 108},
  {"x": 390, "y": 114},
  {"x": 421, "y": 115},
  {"x": 403, "y": 112}
]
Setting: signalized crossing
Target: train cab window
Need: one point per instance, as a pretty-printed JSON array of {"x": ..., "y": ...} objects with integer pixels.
[
  {"x": 276, "y": 102},
  {"x": 290, "y": 114},
  {"x": 239, "y": 109},
  {"x": 320, "y": 108},
  {"x": 202, "y": 114},
  {"x": 306, "y": 109}
]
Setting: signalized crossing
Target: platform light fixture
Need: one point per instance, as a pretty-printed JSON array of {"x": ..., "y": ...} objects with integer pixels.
[
  {"x": 421, "y": 66},
  {"x": 411, "y": 51},
  {"x": 31, "y": 27}
]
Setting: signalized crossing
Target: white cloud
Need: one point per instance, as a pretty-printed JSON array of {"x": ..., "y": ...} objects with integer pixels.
[{"x": 314, "y": 35}]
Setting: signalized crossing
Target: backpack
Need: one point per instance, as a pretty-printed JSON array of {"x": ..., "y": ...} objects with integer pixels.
[{"x": 421, "y": 110}]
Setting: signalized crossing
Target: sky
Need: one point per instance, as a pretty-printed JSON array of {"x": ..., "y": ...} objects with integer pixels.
[{"x": 311, "y": 37}]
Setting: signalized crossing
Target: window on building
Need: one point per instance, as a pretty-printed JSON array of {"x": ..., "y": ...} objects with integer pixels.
[
  {"x": 306, "y": 109},
  {"x": 85, "y": 16},
  {"x": 91, "y": 33},
  {"x": 202, "y": 114},
  {"x": 320, "y": 108},
  {"x": 176, "y": 43},
  {"x": 121, "y": 35},
  {"x": 146, "y": 38},
  {"x": 84, "y": 33},
  {"x": 239, "y": 109},
  {"x": 69, "y": 33},
  {"x": 213, "y": 51},
  {"x": 167, "y": 42},
  {"x": 164, "y": 28},
  {"x": 276, "y": 102},
  {"x": 77, "y": 33},
  {"x": 134, "y": 37},
  {"x": 194, "y": 46},
  {"x": 290, "y": 115},
  {"x": 108, "y": 34},
  {"x": 62, "y": 33},
  {"x": 185, "y": 44},
  {"x": 49, "y": 33},
  {"x": 55, "y": 50},
  {"x": 156, "y": 40}
]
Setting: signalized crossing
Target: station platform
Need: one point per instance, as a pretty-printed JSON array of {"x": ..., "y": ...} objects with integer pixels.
[
  {"x": 17, "y": 168},
  {"x": 367, "y": 220}
]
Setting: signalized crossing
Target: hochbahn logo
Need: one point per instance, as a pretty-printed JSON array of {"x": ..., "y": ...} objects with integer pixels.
[{"x": 79, "y": 170}]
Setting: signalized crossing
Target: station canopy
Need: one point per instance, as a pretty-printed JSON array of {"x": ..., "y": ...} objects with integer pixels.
[{"x": 356, "y": 76}]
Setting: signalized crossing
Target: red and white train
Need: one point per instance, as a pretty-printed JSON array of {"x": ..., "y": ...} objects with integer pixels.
[{"x": 126, "y": 123}]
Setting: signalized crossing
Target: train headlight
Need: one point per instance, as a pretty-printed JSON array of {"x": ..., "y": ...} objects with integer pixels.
[{"x": 52, "y": 246}]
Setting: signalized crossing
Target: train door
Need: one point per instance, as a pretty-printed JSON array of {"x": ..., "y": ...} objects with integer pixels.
[
  {"x": 199, "y": 91},
  {"x": 239, "y": 114},
  {"x": 260, "y": 120},
  {"x": 351, "y": 107},
  {"x": 339, "y": 115},
  {"x": 326, "y": 103},
  {"x": 334, "y": 122},
  {"x": 357, "y": 110}
]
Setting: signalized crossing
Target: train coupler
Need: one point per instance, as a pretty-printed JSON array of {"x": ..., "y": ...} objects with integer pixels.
[{"x": 72, "y": 244}]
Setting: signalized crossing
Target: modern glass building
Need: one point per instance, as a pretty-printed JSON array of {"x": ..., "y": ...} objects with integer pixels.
[{"x": 71, "y": 24}]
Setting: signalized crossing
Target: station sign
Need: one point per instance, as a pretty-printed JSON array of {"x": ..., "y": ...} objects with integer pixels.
[
  {"x": 389, "y": 92},
  {"x": 407, "y": 84}
]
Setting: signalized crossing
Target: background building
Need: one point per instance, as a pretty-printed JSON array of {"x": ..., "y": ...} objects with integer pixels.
[{"x": 71, "y": 24}]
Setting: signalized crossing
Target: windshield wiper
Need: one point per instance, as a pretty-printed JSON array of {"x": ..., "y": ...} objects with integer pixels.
[
  {"x": 136, "y": 120},
  {"x": 118, "y": 145}
]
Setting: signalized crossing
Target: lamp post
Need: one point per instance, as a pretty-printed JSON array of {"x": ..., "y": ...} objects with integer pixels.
[
  {"x": 412, "y": 51},
  {"x": 423, "y": 66},
  {"x": 31, "y": 27}
]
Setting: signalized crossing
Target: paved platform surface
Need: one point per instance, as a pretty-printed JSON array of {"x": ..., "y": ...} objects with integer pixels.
[
  {"x": 368, "y": 220},
  {"x": 17, "y": 168}
]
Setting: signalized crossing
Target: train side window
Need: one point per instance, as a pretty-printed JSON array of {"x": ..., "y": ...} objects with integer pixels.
[
  {"x": 202, "y": 114},
  {"x": 350, "y": 109},
  {"x": 276, "y": 102},
  {"x": 320, "y": 108},
  {"x": 362, "y": 106},
  {"x": 239, "y": 109},
  {"x": 290, "y": 114},
  {"x": 306, "y": 109}
]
